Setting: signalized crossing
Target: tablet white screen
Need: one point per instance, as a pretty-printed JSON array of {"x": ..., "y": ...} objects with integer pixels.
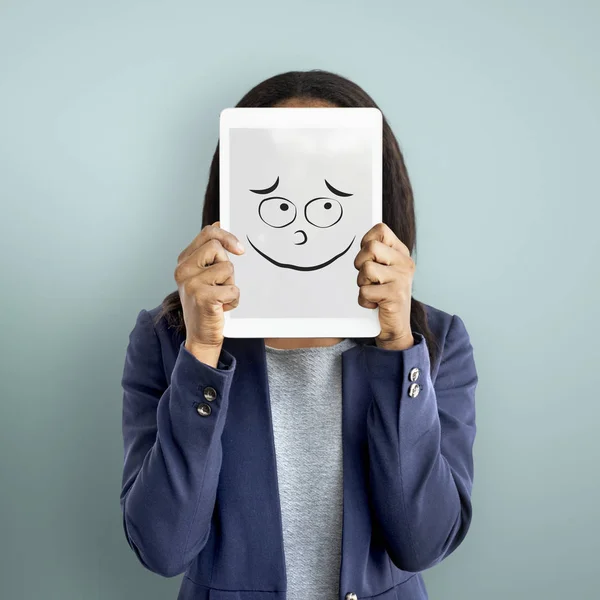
[{"x": 300, "y": 200}]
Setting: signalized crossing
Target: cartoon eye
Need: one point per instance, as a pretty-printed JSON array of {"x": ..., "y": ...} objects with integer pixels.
[
  {"x": 277, "y": 212},
  {"x": 323, "y": 212}
]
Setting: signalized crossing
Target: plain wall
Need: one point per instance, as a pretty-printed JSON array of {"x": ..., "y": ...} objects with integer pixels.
[{"x": 108, "y": 120}]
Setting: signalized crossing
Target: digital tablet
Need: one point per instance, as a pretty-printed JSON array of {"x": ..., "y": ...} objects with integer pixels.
[{"x": 299, "y": 187}]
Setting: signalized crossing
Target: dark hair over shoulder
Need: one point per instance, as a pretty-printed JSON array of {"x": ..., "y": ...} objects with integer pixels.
[{"x": 398, "y": 202}]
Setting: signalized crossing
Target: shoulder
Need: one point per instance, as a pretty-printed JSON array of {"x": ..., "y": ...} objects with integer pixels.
[
  {"x": 456, "y": 364},
  {"x": 451, "y": 333},
  {"x": 164, "y": 330},
  {"x": 153, "y": 314},
  {"x": 153, "y": 338},
  {"x": 148, "y": 323},
  {"x": 441, "y": 322}
]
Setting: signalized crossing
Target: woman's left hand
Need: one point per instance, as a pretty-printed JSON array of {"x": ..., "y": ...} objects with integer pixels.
[{"x": 385, "y": 276}]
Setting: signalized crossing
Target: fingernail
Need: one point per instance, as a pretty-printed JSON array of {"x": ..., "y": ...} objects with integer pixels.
[{"x": 241, "y": 247}]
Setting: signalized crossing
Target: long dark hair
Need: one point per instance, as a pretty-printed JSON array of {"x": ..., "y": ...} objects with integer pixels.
[{"x": 398, "y": 203}]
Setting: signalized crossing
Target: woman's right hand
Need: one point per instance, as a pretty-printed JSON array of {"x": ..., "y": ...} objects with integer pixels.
[{"x": 205, "y": 280}]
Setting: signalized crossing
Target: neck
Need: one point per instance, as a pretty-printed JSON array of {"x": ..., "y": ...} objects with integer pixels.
[{"x": 289, "y": 343}]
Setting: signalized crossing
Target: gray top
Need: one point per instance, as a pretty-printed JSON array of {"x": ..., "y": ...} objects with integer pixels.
[{"x": 305, "y": 387}]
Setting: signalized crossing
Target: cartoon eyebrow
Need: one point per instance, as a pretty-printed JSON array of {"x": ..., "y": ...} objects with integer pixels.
[
  {"x": 269, "y": 189},
  {"x": 333, "y": 190}
]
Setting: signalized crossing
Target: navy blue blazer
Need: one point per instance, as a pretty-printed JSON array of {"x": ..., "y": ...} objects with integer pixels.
[{"x": 200, "y": 493}]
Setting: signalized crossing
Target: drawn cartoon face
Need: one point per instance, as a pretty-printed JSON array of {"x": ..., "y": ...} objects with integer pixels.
[
  {"x": 280, "y": 212},
  {"x": 300, "y": 202}
]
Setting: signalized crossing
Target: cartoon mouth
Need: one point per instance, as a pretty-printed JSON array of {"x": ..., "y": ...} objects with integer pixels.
[{"x": 296, "y": 267}]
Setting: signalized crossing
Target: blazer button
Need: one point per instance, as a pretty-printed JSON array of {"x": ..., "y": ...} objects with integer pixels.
[
  {"x": 351, "y": 596},
  {"x": 210, "y": 393},
  {"x": 203, "y": 410},
  {"x": 414, "y": 389},
  {"x": 414, "y": 374}
]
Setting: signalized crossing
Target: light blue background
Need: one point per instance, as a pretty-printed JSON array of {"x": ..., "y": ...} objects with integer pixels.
[{"x": 108, "y": 120}]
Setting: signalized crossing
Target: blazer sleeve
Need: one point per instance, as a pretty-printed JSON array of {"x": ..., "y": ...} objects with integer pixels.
[
  {"x": 420, "y": 448},
  {"x": 172, "y": 454}
]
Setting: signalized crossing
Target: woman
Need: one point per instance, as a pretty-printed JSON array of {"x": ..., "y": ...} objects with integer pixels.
[{"x": 299, "y": 468}]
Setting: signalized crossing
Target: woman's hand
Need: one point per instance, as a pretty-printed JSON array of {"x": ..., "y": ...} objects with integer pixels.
[
  {"x": 385, "y": 275},
  {"x": 205, "y": 280}
]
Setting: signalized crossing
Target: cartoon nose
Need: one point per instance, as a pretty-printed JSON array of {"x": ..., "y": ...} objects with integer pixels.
[{"x": 304, "y": 238}]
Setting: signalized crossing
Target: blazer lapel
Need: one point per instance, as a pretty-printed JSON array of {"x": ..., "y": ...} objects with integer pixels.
[
  {"x": 363, "y": 549},
  {"x": 248, "y": 482}
]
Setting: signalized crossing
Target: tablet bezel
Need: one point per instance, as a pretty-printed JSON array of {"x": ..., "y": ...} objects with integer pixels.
[{"x": 293, "y": 117}]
